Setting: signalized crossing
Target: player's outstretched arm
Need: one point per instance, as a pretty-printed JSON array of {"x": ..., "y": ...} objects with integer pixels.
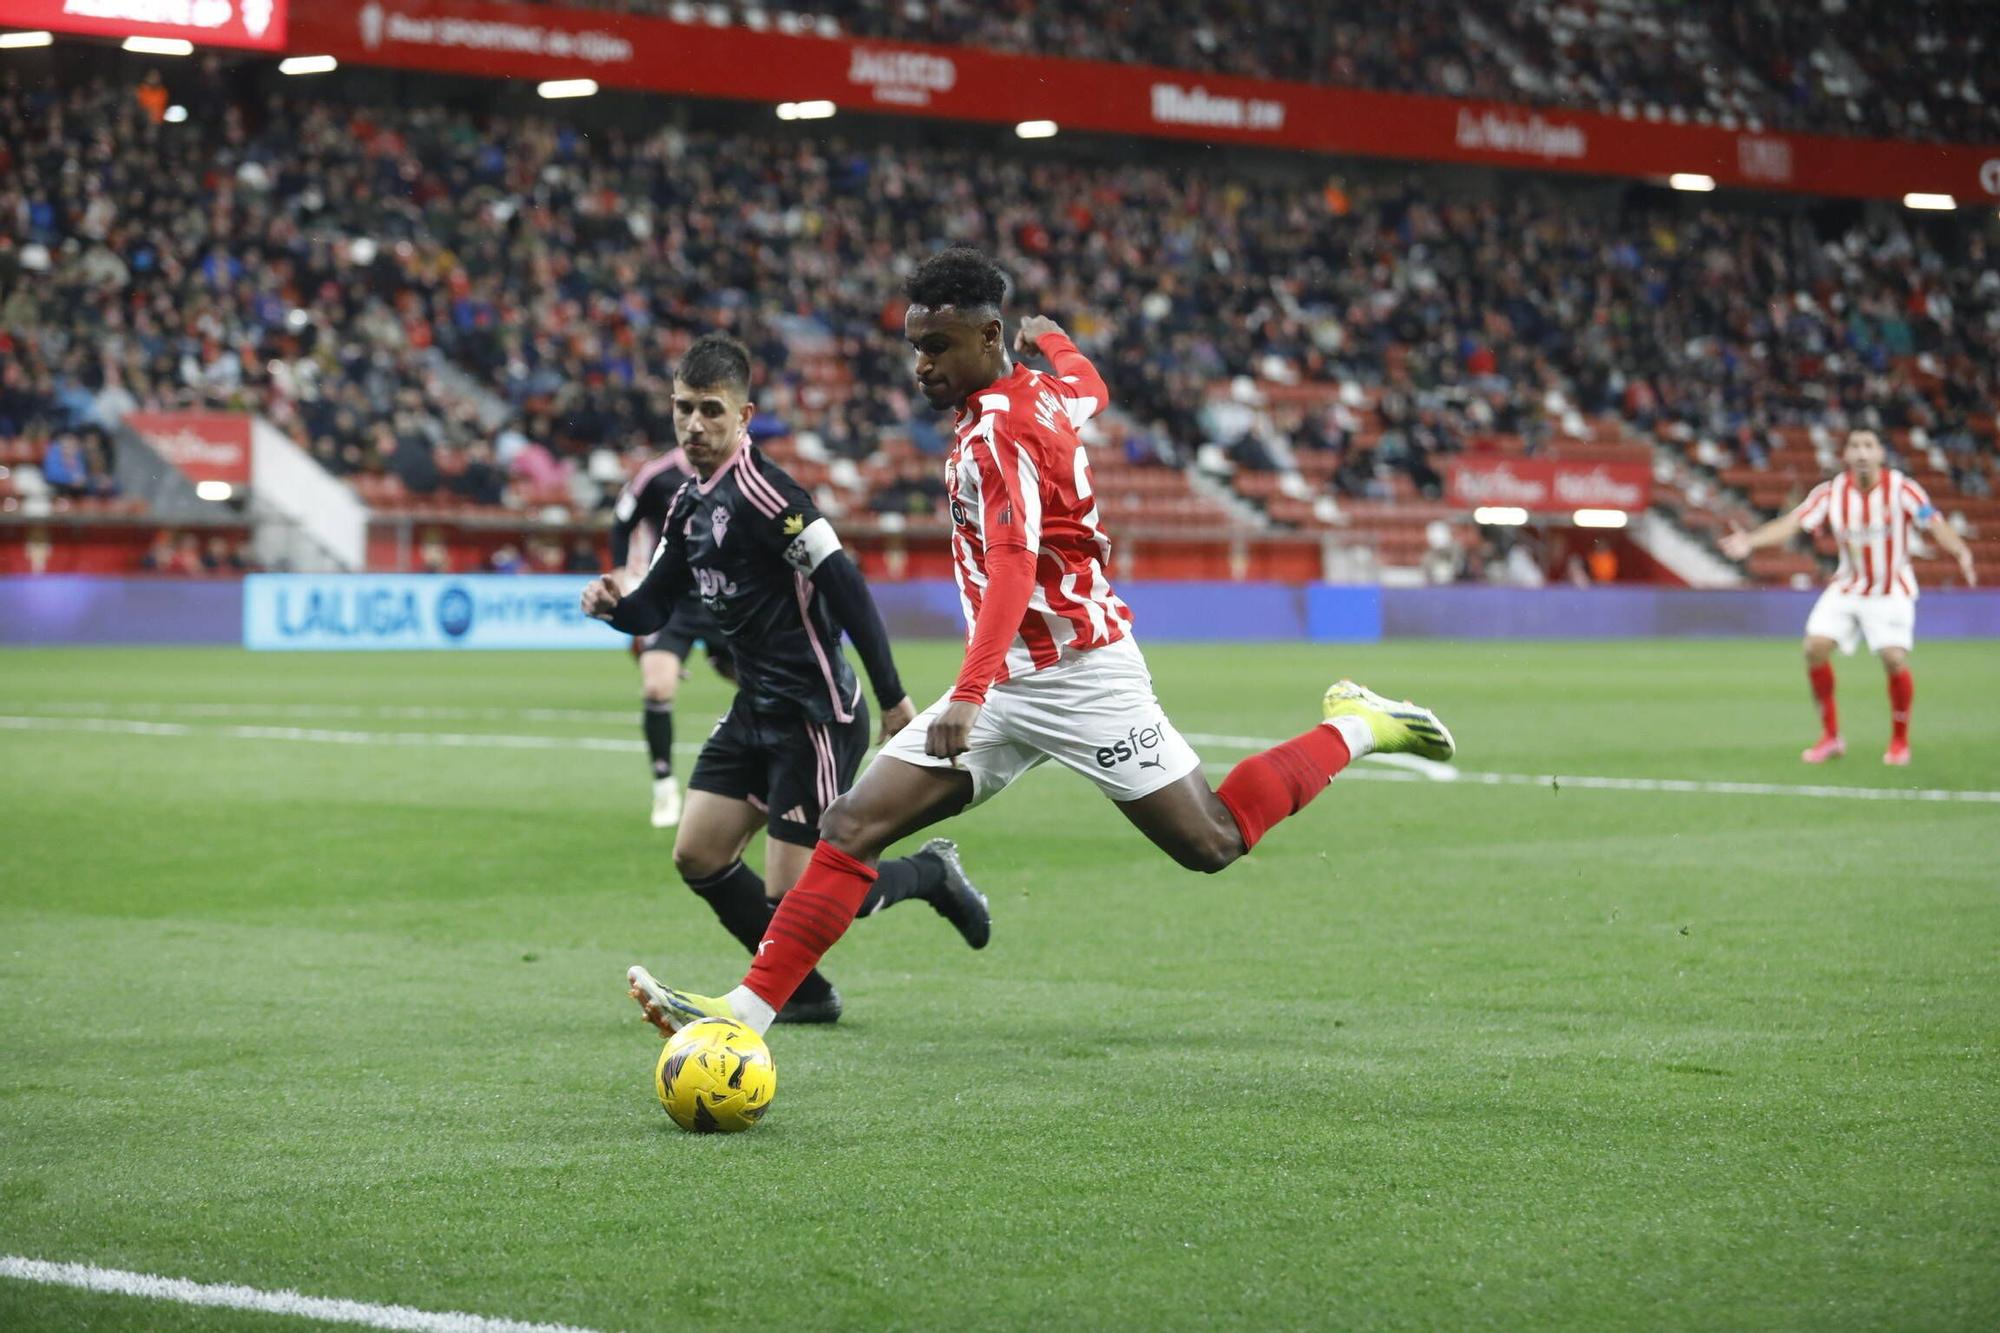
[
  {"x": 1737, "y": 545},
  {"x": 646, "y": 607},
  {"x": 1947, "y": 536},
  {"x": 839, "y": 580},
  {"x": 1040, "y": 333}
]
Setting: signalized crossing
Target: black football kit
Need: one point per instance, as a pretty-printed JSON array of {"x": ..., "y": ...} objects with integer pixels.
[{"x": 767, "y": 566}]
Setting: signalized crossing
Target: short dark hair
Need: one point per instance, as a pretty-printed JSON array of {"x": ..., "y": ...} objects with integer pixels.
[
  {"x": 959, "y": 276},
  {"x": 715, "y": 361}
]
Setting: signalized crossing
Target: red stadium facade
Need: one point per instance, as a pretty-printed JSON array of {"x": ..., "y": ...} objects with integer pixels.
[{"x": 964, "y": 83}]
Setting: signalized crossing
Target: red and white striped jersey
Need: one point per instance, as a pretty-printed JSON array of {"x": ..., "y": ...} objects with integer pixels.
[
  {"x": 1018, "y": 475},
  {"x": 1872, "y": 529}
]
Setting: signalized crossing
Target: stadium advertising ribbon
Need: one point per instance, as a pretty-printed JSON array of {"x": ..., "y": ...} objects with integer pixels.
[
  {"x": 951, "y": 82},
  {"x": 257, "y": 24}
]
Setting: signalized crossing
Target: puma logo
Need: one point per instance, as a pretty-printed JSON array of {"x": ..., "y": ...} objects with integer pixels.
[{"x": 1153, "y": 763}]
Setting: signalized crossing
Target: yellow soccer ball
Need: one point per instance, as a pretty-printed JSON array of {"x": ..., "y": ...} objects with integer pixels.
[{"x": 716, "y": 1076}]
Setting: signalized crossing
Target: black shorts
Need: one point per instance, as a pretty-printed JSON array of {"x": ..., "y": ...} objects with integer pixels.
[
  {"x": 787, "y": 766},
  {"x": 689, "y": 624}
]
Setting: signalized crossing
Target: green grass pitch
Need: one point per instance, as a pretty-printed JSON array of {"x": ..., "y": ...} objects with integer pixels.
[{"x": 347, "y": 1016}]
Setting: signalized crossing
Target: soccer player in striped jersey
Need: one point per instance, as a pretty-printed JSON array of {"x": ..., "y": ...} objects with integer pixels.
[
  {"x": 770, "y": 569},
  {"x": 1051, "y": 669},
  {"x": 636, "y": 523},
  {"x": 1870, "y": 511}
]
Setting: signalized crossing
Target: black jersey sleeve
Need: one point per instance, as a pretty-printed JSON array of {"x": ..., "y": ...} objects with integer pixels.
[
  {"x": 839, "y": 581},
  {"x": 668, "y": 578},
  {"x": 806, "y": 540}
]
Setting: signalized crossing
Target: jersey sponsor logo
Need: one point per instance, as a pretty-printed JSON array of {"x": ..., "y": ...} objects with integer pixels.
[
  {"x": 1139, "y": 743},
  {"x": 713, "y": 583},
  {"x": 1048, "y": 411},
  {"x": 959, "y": 516}
]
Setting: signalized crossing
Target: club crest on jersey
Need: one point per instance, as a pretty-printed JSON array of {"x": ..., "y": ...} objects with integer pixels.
[{"x": 718, "y": 524}]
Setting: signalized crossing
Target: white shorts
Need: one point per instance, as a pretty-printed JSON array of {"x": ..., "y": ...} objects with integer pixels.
[
  {"x": 1847, "y": 619},
  {"x": 1094, "y": 712}
]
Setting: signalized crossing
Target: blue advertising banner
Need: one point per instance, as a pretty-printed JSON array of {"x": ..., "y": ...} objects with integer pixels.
[{"x": 348, "y": 612}]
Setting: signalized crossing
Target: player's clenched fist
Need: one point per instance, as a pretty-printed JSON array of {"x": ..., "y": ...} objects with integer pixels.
[
  {"x": 951, "y": 731},
  {"x": 601, "y": 598},
  {"x": 895, "y": 719},
  {"x": 1033, "y": 329}
]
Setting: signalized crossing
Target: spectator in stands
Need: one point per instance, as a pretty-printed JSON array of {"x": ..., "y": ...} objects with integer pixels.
[
  {"x": 433, "y": 554},
  {"x": 152, "y": 96},
  {"x": 64, "y": 466},
  {"x": 222, "y": 556},
  {"x": 479, "y": 480},
  {"x": 103, "y": 483},
  {"x": 407, "y": 455},
  {"x": 159, "y": 557}
]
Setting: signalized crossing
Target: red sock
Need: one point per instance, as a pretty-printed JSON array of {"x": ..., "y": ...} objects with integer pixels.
[
  {"x": 809, "y": 919},
  {"x": 1902, "y": 691},
  {"x": 1821, "y": 677},
  {"x": 1278, "y": 783}
]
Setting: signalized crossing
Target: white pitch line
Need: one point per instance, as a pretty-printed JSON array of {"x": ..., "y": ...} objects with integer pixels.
[
  {"x": 327, "y": 736},
  {"x": 410, "y": 711},
  {"x": 1440, "y": 774},
  {"x": 89, "y": 1277}
]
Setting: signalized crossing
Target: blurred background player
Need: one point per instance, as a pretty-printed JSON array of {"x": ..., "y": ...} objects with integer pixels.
[
  {"x": 771, "y": 570},
  {"x": 1051, "y": 670},
  {"x": 1869, "y": 510},
  {"x": 636, "y": 523}
]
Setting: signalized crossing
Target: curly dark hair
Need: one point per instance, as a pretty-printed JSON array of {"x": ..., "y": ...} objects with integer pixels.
[
  {"x": 715, "y": 361},
  {"x": 961, "y": 277}
]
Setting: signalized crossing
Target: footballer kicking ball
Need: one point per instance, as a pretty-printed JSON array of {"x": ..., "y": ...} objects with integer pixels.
[{"x": 715, "y": 1076}]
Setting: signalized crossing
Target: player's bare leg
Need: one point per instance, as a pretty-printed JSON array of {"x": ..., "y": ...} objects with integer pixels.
[
  {"x": 1189, "y": 822},
  {"x": 714, "y": 833},
  {"x": 891, "y": 801},
  {"x": 1819, "y": 672},
  {"x": 1207, "y": 830},
  {"x": 660, "y": 681},
  {"x": 1902, "y": 693}
]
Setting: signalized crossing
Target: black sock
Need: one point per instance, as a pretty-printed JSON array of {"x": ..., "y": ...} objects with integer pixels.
[
  {"x": 660, "y": 737},
  {"x": 737, "y": 895},
  {"x": 917, "y": 876}
]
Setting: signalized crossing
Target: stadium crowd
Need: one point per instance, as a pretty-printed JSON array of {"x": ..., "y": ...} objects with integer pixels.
[
  {"x": 355, "y": 272},
  {"x": 1837, "y": 66}
]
